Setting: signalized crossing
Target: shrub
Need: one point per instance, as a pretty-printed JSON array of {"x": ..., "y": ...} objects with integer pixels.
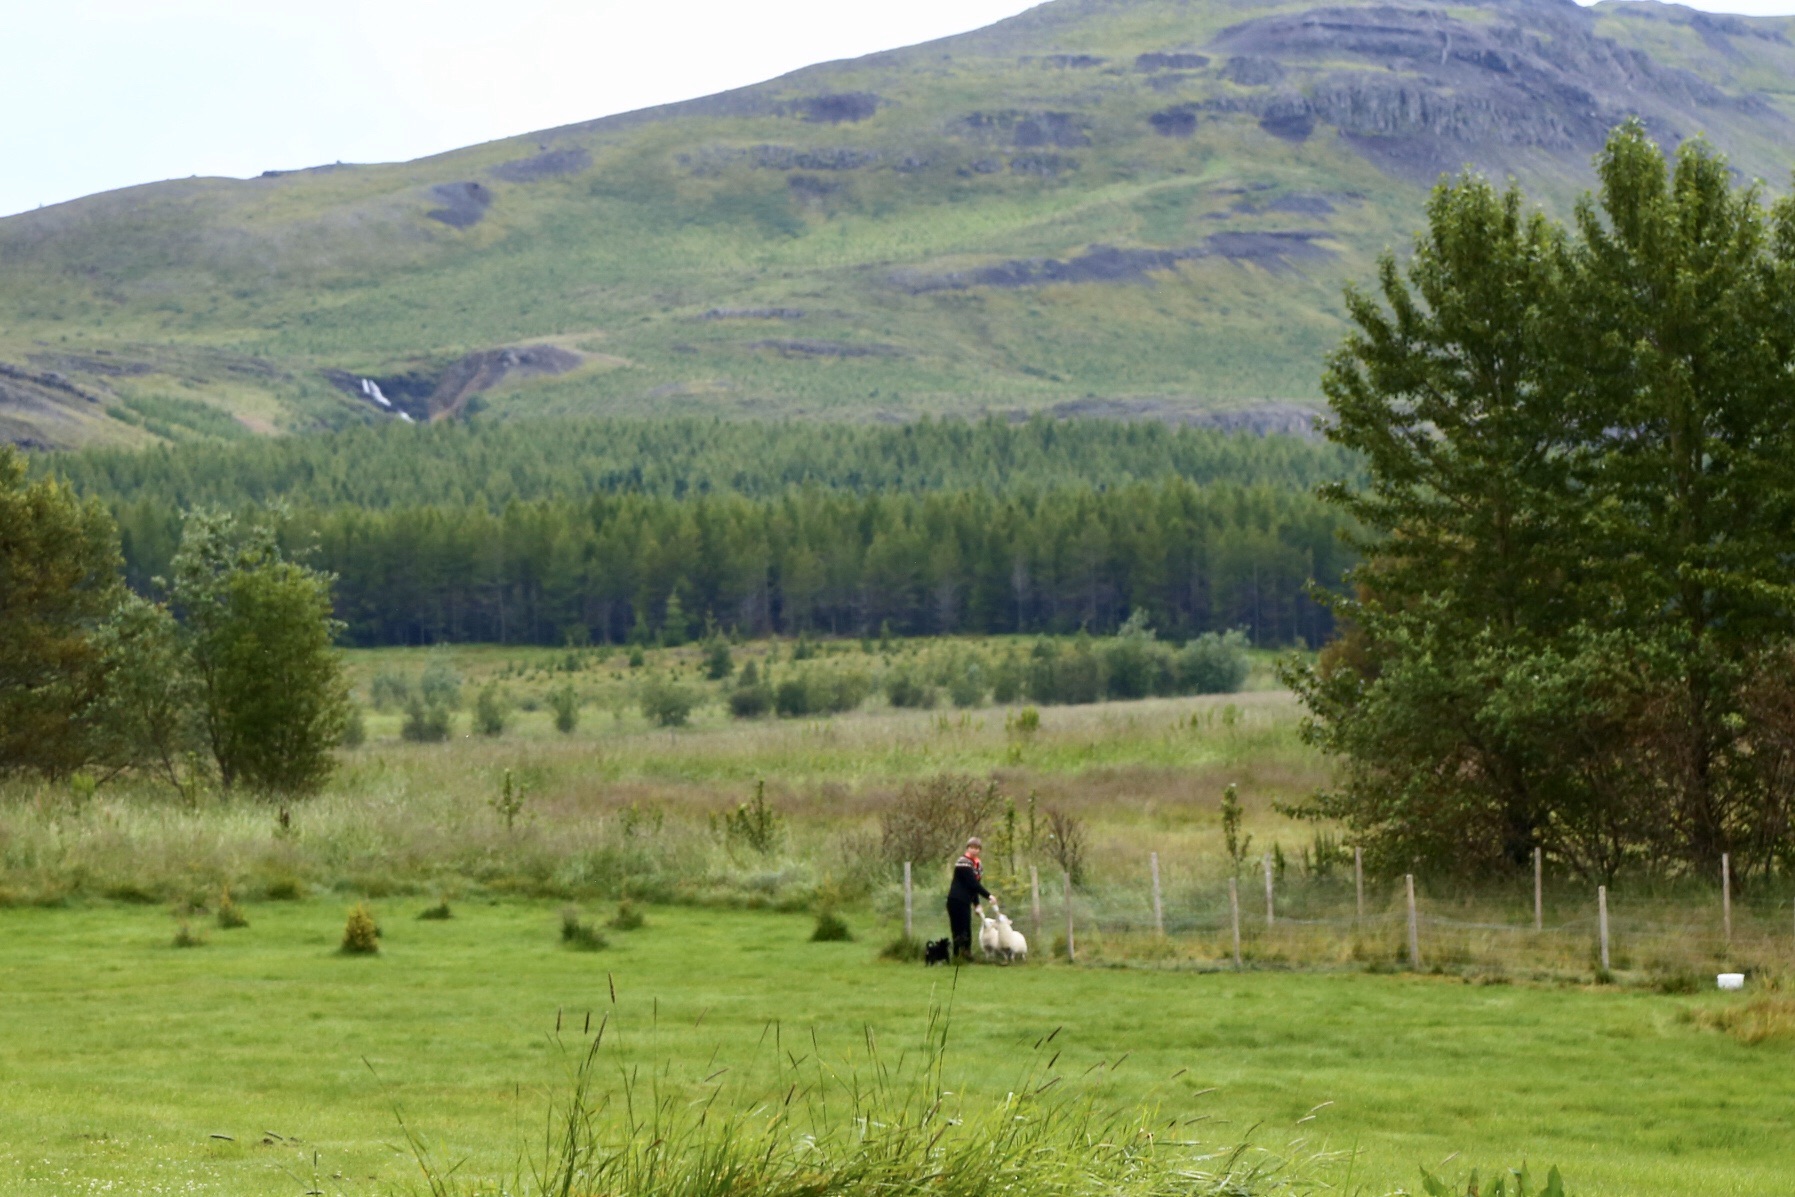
[
  {"x": 579, "y": 935},
  {"x": 966, "y": 688},
  {"x": 1061, "y": 676},
  {"x": 1006, "y": 680},
  {"x": 388, "y": 690},
  {"x": 627, "y": 918},
  {"x": 230, "y": 915},
  {"x": 490, "y": 714},
  {"x": 718, "y": 663},
  {"x": 750, "y": 702},
  {"x": 754, "y": 824},
  {"x": 440, "y": 685},
  {"x": 903, "y": 948},
  {"x": 1066, "y": 843},
  {"x": 509, "y": 801},
  {"x": 904, "y": 689},
  {"x": 565, "y": 703},
  {"x": 931, "y": 819},
  {"x": 1135, "y": 664},
  {"x": 425, "y": 723},
  {"x": 187, "y": 937},
  {"x": 1024, "y": 723},
  {"x": 751, "y": 698},
  {"x": 361, "y": 934},
  {"x": 667, "y": 703},
  {"x": 355, "y": 729},
  {"x": 830, "y": 928},
  {"x": 819, "y": 693},
  {"x": 438, "y": 912},
  {"x": 1213, "y": 664}
]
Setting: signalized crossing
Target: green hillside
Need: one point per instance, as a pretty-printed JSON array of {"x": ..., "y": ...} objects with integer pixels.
[{"x": 1099, "y": 207}]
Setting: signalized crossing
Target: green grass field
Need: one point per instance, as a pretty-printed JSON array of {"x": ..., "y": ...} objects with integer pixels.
[{"x": 123, "y": 1058}]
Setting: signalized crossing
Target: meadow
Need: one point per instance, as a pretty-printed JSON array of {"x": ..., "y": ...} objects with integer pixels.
[
  {"x": 263, "y": 1062},
  {"x": 257, "y": 1059}
]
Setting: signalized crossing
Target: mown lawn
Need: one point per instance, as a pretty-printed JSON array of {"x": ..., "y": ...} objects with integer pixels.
[{"x": 121, "y": 1057}]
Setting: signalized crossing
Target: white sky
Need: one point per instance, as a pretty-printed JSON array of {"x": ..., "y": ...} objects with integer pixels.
[{"x": 105, "y": 93}]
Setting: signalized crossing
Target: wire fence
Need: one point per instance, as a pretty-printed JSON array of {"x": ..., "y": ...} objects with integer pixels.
[{"x": 1678, "y": 940}]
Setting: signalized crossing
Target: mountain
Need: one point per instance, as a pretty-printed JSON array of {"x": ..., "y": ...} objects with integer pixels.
[{"x": 1099, "y": 206}]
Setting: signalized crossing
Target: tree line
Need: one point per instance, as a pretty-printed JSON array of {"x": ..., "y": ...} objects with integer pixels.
[
  {"x": 1574, "y": 625},
  {"x": 617, "y": 568},
  {"x": 490, "y": 464}
]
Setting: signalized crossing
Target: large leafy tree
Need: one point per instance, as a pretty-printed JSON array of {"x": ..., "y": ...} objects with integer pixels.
[
  {"x": 58, "y": 583},
  {"x": 259, "y": 634},
  {"x": 1576, "y": 588}
]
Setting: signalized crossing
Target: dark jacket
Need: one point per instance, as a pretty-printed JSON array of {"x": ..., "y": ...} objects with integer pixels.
[{"x": 967, "y": 887}]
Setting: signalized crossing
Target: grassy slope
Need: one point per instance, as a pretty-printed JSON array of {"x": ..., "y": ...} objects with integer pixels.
[
  {"x": 121, "y": 1056},
  {"x": 239, "y": 293}
]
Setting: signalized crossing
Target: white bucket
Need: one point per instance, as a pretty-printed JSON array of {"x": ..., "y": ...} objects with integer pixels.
[{"x": 1730, "y": 980}]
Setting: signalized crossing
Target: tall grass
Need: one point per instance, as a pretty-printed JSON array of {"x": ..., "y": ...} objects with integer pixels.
[{"x": 864, "y": 1125}]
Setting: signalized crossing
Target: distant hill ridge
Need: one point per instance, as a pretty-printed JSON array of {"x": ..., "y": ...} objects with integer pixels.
[{"x": 1143, "y": 208}]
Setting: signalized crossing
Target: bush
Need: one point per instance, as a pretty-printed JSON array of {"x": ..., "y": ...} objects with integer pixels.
[
  {"x": 1066, "y": 843},
  {"x": 932, "y": 819},
  {"x": 819, "y": 693},
  {"x": 355, "y": 729},
  {"x": 230, "y": 915},
  {"x": 1062, "y": 677},
  {"x": 361, "y": 934},
  {"x": 440, "y": 685},
  {"x": 667, "y": 703},
  {"x": 830, "y": 928},
  {"x": 1213, "y": 664},
  {"x": 187, "y": 937},
  {"x": 425, "y": 724},
  {"x": 565, "y": 703},
  {"x": 751, "y": 698},
  {"x": 903, "y": 689},
  {"x": 579, "y": 935},
  {"x": 490, "y": 715},
  {"x": 754, "y": 824},
  {"x": 904, "y": 948},
  {"x": 438, "y": 912},
  {"x": 388, "y": 691},
  {"x": 1007, "y": 680},
  {"x": 966, "y": 688},
  {"x": 750, "y": 702},
  {"x": 718, "y": 663},
  {"x": 627, "y": 918},
  {"x": 1135, "y": 664}
]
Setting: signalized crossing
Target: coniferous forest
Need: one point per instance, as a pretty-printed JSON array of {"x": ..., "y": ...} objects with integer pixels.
[{"x": 549, "y": 531}]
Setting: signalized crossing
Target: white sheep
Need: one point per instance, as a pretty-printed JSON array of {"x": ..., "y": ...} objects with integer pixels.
[
  {"x": 1011, "y": 942},
  {"x": 990, "y": 939}
]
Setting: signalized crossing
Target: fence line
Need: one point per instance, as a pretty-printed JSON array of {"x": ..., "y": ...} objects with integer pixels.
[{"x": 1655, "y": 934}]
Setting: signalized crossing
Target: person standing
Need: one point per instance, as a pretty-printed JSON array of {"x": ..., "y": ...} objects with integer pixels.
[{"x": 966, "y": 891}]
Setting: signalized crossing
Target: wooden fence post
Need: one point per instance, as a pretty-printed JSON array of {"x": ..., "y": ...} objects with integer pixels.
[
  {"x": 1269, "y": 916},
  {"x": 1234, "y": 915},
  {"x": 1034, "y": 900},
  {"x": 1071, "y": 947},
  {"x": 1358, "y": 881},
  {"x": 1539, "y": 890},
  {"x": 1726, "y": 897},
  {"x": 1602, "y": 921},
  {"x": 1414, "y": 925},
  {"x": 909, "y": 906},
  {"x": 1159, "y": 914}
]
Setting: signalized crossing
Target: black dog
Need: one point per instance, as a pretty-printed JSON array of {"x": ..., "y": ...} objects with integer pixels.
[{"x": 934, "y": 952}]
